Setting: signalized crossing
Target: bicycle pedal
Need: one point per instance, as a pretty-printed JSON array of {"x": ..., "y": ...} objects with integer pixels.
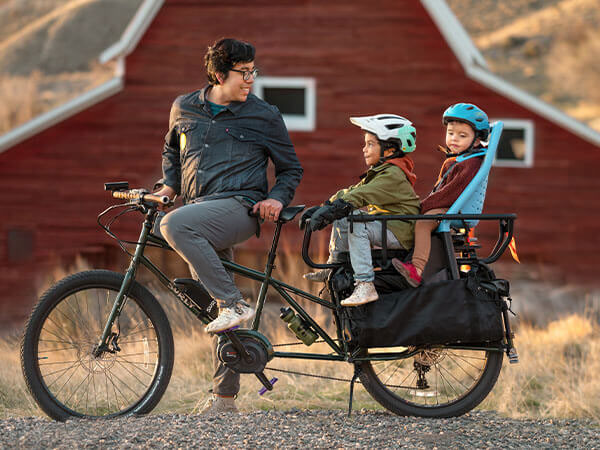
[
  {"x": 264, "y": 389},
  {"x": 513, "y": 356},
  {"x": 228, "y": 330}
]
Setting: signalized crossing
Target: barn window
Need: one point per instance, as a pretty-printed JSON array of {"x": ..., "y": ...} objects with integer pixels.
[
  {"x": 295, "y": 98},
  {"x": 516, "y": 144}
]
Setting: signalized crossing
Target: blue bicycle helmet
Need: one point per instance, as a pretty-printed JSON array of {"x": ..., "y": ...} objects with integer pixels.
[{"x": 471, "y": 114}]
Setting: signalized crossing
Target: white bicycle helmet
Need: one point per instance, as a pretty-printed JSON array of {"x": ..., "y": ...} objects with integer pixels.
[{"x": 391, "y": 128}]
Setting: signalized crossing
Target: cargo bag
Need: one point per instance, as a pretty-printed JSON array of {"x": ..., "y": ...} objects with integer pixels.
[{"x": 465, "y": 311}]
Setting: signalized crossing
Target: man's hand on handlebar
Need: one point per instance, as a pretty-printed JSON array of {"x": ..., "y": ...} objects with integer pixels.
[
  {"x": 165, "y": 190},
  {"x": 268, "y": 209}
]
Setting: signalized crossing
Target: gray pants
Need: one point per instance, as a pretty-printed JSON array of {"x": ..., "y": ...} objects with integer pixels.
[
  {"x": 358, "y": 243},
  {"x": 201, "y": 233}
]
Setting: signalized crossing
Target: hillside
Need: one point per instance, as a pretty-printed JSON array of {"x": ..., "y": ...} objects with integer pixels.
[
  {"x": 549, "y": 48},
  {"x": 48, "y": 51}
]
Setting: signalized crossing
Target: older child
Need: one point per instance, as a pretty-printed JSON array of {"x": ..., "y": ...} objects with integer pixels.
[
  {"x": 466, "y": 126},
  {"x": 386, "y": 188}
]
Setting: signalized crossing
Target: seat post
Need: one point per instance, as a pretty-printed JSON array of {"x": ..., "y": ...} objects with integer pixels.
[
  {"x": 268, "y": 270},
  {"x": 450, "y": 256}
]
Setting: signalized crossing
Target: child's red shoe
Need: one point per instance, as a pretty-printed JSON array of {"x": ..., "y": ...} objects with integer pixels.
[{"x": 408, "y": 271}]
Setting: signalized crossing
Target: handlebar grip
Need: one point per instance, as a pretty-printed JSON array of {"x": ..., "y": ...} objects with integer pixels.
[
  {"x": 164, "y": 199},
  {"x": 127, "y": 195},
  {"x": 133, "y": 195}
]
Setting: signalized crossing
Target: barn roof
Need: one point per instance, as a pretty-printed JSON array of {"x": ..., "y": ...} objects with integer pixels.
[
  {"x": 468, "y": 55},
  {"x": 129, "y": 39}
]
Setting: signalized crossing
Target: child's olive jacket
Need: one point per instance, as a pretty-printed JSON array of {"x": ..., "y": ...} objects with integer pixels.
[{"x": 385, "y": 189}]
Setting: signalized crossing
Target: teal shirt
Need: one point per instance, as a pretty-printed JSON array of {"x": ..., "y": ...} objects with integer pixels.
[{"x": 215, "y": 108}]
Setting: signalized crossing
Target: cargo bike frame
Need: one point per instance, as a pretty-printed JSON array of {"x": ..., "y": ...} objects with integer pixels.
[{"x": 98, "y": 343}]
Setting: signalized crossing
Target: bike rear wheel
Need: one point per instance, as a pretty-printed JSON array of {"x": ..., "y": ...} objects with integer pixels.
[
  {"x": 436, "y": 382},
  {"x": 64, "y": 376}
]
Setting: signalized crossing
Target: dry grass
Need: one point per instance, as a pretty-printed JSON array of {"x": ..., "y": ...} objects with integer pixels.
[
  {"x": 557, "y": 375},
  {"x": 24, "y": 98}
]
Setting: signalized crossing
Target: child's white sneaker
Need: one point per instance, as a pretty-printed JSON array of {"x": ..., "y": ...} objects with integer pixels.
[
  {"x": 230, "y": 317},
  {"x": 364, "y": 292},
  {"x": 320, "y": 276}
]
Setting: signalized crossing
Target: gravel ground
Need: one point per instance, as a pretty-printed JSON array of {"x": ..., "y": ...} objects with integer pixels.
[{"x": 300, "y": 429}]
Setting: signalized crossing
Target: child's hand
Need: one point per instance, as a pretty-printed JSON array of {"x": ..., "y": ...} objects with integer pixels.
[
  {"x": 307, "y": 215},
  {"x": 329, "y": 213}
]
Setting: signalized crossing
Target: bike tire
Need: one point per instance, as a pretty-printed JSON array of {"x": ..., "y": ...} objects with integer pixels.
[
  {"x": 449, "y": 391},
  {"x": 64, "y": 327}
]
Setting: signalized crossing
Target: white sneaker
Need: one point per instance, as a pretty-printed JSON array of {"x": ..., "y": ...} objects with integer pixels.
[
  {"x": 319, "y": 276},
  {"x": 230, "y": 317},
  {"x": 364, "y": 292}
]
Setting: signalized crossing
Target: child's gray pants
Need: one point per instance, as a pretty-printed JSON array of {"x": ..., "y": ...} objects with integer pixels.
[{"x": 365, "y": 235}]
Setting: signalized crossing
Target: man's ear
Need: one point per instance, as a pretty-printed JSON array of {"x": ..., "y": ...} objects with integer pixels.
[{"x": 220, "y": 77}]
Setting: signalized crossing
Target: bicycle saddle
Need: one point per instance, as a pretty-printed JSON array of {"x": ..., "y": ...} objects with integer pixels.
[{"x": 290, "y": 212}]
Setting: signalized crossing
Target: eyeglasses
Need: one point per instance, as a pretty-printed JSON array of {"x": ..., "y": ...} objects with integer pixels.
[{"x": 246, "y": 74}]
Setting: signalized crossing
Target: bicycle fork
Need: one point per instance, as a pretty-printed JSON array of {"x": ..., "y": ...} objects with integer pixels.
[{"x": 108, "y": 337}]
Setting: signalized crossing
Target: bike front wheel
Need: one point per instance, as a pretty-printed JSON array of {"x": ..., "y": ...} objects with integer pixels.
[
  {"x": 57, "y": 351},
  {"x": 435, "y": 382}
]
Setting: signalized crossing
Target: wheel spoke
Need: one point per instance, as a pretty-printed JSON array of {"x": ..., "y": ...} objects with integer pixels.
[
  {"x": 57, "y": 371},
  {"x": 131, "y": 373},
  {"x": 134, "y": 364}
]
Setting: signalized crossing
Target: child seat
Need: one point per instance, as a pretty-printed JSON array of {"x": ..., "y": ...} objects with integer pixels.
[{"x": 472, "y": 198}]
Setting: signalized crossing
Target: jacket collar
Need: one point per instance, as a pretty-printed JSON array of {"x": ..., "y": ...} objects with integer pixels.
[
  {"x": 234, "y": 107},
  {"x": 375, "y": 169}
]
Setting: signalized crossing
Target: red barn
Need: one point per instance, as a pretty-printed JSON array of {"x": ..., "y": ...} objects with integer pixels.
[{"x": 322, "y": 62}]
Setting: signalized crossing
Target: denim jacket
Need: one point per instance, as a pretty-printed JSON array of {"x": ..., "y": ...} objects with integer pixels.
[{"x": 208, "y": 157}]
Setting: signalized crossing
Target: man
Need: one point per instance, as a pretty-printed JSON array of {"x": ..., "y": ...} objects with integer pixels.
[{"x": 215, "y": 156}]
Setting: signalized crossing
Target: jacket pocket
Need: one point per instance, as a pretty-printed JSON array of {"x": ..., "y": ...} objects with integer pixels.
[
  {"x": 189, "y": 139},
  {"x": 241, "y": 142}
]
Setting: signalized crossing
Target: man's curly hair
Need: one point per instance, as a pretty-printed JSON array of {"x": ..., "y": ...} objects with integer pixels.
[{"x": 224, "y": 54}]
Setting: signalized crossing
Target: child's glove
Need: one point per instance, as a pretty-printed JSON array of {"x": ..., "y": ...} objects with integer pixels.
[
  {"x": 307, "y": 215},
  {"x": 328, "y": 213}
]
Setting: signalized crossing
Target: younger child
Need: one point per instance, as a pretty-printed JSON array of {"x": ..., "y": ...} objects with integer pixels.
[
  {"x": 466, "y": 126},
  {"x": 386, "y": 188}
]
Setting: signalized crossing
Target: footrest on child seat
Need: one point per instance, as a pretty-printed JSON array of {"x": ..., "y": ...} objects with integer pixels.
[{"x": 513, "y": 356}]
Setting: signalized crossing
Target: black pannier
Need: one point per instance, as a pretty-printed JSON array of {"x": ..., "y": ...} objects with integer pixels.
[{"x": 467, "y": 311}]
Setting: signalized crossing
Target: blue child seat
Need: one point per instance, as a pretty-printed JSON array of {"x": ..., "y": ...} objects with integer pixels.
[{"x": 472, "y": 198}]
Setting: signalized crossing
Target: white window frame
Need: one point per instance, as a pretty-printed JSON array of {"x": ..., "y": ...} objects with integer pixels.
[
  {"x": 293, "y": 122},
  {"x": 528, "y": 134}
]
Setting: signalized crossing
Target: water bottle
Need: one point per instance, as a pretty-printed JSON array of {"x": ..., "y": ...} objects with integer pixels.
[{"x": 297, "y": 325}]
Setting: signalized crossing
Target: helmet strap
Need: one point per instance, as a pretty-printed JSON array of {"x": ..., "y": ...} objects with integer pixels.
[{"x": 397, "y": 153}]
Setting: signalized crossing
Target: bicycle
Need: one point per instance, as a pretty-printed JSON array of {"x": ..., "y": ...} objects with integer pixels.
[{"x": 99, "y": 345}]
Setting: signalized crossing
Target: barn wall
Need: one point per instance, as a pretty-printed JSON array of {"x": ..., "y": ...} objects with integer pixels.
[{"x": 367, "y": 58}]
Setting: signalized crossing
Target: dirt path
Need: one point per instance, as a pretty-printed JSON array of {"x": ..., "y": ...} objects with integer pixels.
[{"x": 300, "y": 429}]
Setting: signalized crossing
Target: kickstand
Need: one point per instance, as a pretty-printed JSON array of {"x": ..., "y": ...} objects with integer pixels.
[{"x": 357, "y": 371}]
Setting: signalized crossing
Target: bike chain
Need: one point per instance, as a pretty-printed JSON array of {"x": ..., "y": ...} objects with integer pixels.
[
  {"x": 313, "y": 375},
  {"x": 323, "y": 377},
  {"x": 298, "y": 343}
]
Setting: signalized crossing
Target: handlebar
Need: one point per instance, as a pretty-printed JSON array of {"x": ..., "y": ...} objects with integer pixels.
[{"x": 136, "y": 194}]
